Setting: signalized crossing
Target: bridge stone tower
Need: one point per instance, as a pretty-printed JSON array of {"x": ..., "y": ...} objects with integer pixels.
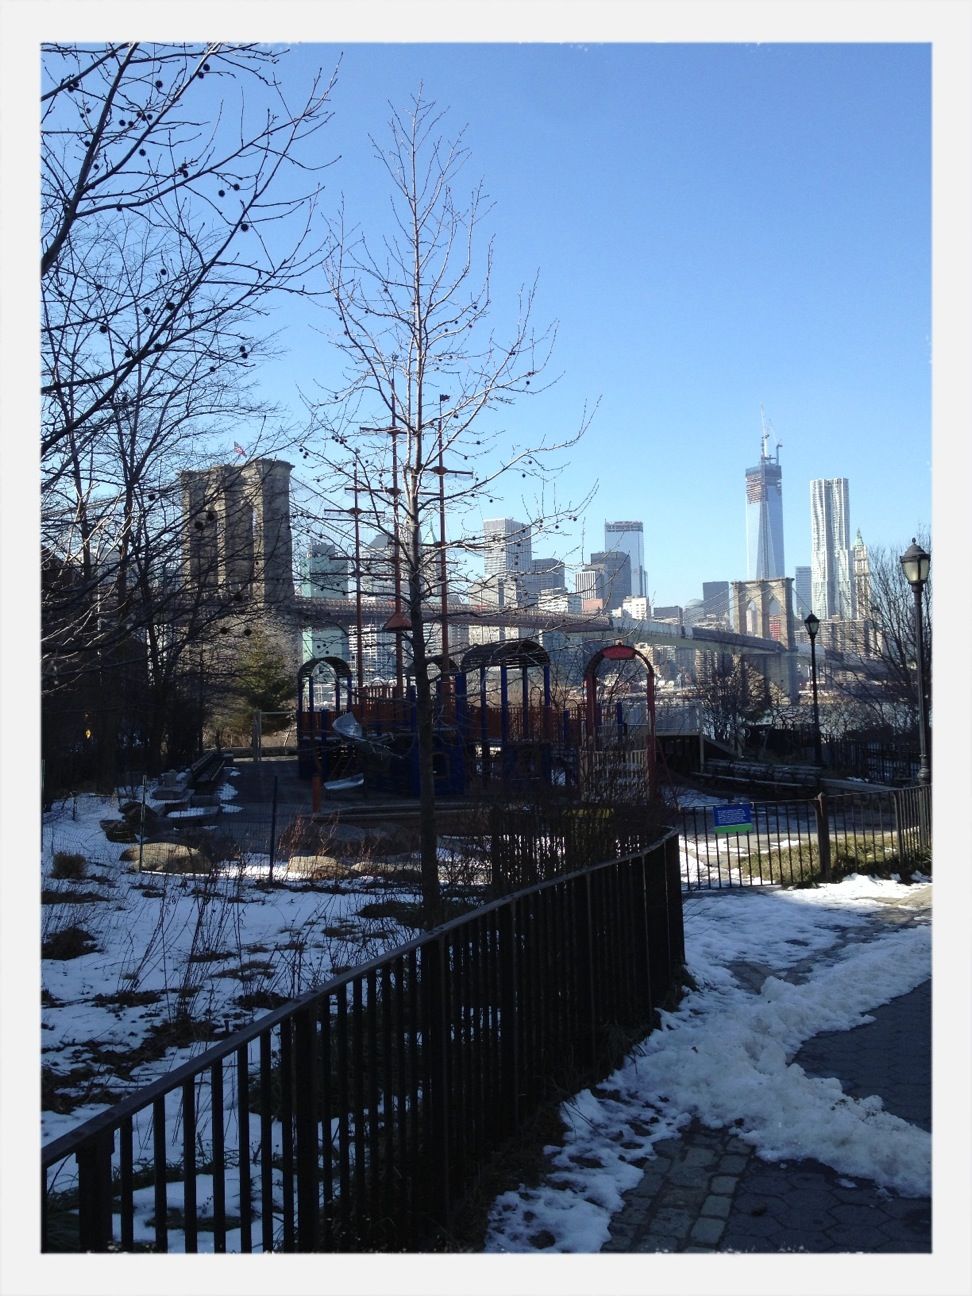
[
  {"x": 237, "y": 542},
  {"x": 237, "y": 530},
  {"x": 765, "y": 608}
]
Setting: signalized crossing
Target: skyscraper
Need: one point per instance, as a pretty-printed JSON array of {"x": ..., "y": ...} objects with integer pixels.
[
  {"x": 542, "y": 575},
  {"x": 589, "y": 582},
  {"x": 323, "y": 574},
  {"x": 508, "y": 558},
  {"x": 862, "y": 579},
  {"x": 616, "y": 567},
  {"x": 832, "y": 589},
  {"x": 715, "y": 599},
  {"x": 802, "y": 593},
  {"x": 629, "y": 538},
  {"x": 764, "y": 516}
]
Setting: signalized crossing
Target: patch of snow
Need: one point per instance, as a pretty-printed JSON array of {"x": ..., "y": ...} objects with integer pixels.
[{"x": 726, "y": 1056}]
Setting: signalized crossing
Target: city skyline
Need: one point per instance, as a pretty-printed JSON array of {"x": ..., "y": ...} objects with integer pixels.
[
  {"x": 685, "y": 446},
  {"x": 818, "y": 584},
  {"x": 507, "y": 552},
  {"x": 735, "y": 254}
]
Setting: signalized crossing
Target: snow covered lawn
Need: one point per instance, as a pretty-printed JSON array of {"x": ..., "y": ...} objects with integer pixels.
[{"x": 140, "y": 971}]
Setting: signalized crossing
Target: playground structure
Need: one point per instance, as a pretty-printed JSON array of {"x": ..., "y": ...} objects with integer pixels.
[{"x": 495, "y": 727}]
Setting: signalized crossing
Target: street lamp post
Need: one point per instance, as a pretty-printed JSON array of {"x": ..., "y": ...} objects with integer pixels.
[
  {"x": 915, "y": 563},
  {"x": 813, "y": 625}
]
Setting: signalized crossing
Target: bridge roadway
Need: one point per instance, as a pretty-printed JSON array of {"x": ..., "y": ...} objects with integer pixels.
[{"x": 318, "y": 612}]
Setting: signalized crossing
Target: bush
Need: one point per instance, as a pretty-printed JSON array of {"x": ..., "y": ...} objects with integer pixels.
[
  {"x": 68, "y": 943},
  {"x": 69, "y": 865}
]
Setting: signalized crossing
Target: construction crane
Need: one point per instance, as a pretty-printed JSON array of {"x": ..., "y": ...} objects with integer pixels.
[{"x": 767, "y": 429}]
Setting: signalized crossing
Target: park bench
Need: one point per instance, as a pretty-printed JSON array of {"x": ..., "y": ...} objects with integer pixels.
[
  {"x": 205, "y": 773},
  {"x": 779, "y": 776}
]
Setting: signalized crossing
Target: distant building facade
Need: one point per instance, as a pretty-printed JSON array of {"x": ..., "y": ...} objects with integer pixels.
[
  {"x": 802, "y": 593},
  {"x": 629, "y": 538},
  {"x": 324, "y": 574},
  {"x": 860, "y": 567},
  {"x": 615, "y": 567},
  {"x": 715, "y": 600},
  {"x": 508, "y": 556},
  {"x": 832, "y": 588},
  {"x": 542, "y": 576},
  {"x": 589, "y": 582},
  {"x": 639, "y": 609}
]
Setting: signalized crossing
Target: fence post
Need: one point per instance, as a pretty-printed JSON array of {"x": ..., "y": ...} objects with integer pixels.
[
  {"x": 306, "y": 1063},
  {"x": 141, "y": 827},
  {"x": 584, "y": 964},
  {"x": 896, "y": 800},
  {"x": 94, "y": 1192},
  {"x": 273, "y": 827},
  {"x": 676, "y": 921},
  {"x": 823, "y": 835},
  {"x": 435, "y": 984},
  {"x": 509, "y": 1030},
  {"x": 924, "y": 817}
]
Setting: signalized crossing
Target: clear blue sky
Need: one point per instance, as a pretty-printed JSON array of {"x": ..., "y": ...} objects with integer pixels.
[{"x": 715, "y": 227}]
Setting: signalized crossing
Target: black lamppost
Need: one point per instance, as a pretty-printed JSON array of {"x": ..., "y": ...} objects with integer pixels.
[
  {"x": 915, "y": 563},
  {"x": 813, "y": 625}
]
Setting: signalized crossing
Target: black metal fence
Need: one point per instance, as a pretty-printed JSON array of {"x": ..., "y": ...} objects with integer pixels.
[
  {"x": 527, "y": 845},
  {"x": 879, "y": 760},
  {"x": 802, "y": 841},
  {"x": 357, "y": 1116}
]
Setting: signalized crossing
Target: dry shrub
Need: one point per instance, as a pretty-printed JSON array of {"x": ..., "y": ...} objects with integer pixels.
[
  {"x": 68, "y": 943},
  {"x": 68, "y": 865}
]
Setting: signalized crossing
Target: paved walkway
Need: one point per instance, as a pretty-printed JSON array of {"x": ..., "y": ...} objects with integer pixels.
[{"x": 708, "y": 1191}]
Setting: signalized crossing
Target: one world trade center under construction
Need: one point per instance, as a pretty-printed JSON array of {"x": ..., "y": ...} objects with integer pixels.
[{"x": 764, "y": 515}]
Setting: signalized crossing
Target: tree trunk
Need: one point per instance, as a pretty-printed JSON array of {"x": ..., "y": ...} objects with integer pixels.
[{"x": 428, "y": 837}]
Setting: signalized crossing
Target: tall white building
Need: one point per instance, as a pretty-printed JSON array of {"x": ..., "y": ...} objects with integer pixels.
[
  {"x": 764, "y": 516},
  {"x": 629, "y": 538},
  {"x": 831, "y": 572},
  {"x": 508, "y": 559},
  {"x": 509, "y": 546}
]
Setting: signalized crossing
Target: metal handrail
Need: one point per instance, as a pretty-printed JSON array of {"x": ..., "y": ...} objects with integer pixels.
[{"x": 67, "y": 1143}]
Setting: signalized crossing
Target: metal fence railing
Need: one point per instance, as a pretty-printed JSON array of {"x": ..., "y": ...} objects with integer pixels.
[
  {"x": 782, "y": 848},
  {"x": 357, "y": 1116},
  {"x": 801, "y": 841}
]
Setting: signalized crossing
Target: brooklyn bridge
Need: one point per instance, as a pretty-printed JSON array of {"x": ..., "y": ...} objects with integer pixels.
[{"x": 239, "y": 541}]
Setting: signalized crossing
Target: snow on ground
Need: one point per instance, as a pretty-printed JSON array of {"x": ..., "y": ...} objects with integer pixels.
[
  {"x": 726, "y": 1056},
  {"x": 218, "y": 949}
]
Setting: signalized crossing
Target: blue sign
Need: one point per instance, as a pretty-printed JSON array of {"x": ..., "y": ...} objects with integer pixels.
[{"x": 733, "y": 818}]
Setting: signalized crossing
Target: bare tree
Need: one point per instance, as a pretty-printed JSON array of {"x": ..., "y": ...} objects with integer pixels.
[
  {"x": 423, "y": 368},
  {"x": 179, "y": 198},
  {"x": 730, "y": 693},
  {"x": 877, "y": 679}
]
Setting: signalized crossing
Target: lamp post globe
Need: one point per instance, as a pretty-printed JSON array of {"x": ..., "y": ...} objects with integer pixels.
[
  {"x": 915, "y": 563},
  {"x": 813, "y": 625}
]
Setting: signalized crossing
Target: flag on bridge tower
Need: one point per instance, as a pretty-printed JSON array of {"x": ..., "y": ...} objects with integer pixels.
[{"x": 239, "y": 449}]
